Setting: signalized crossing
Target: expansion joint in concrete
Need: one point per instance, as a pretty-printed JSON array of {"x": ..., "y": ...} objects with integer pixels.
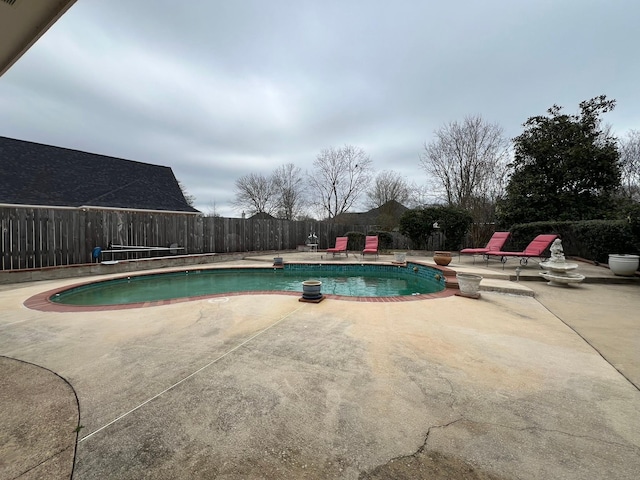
[
  {"x": 191, "y": 375},
  {"x": 45, "y": 460}
]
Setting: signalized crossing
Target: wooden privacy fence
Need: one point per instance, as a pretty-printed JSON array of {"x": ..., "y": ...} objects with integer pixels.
[
  {"x": 46, "y": 237},
  {"x": 223, "y": 235}
]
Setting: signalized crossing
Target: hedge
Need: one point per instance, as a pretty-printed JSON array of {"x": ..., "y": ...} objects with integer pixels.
[{"x": 589, "y": 239}]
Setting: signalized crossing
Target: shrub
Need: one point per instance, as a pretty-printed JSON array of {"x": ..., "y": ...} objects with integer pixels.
[
  {"x": 632, "y": 215},
  {"x": 523, "y": 233},
  {"x": 385, "y": 239},
  {"x": 455, "y": 223},
  {"x": 589, "y": 239},
  {"x": 356, "y": 240},
  {"x": 599, "y": 238},
  {"x": 417, "y": 224}
]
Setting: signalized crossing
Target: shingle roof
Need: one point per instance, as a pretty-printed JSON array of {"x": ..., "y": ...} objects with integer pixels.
[
  {"x": 37, "y": 174},
  {"x": 392, "y": 208}
]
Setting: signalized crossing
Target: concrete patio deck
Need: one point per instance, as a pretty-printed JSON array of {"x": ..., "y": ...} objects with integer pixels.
[{"x": 510, "y": 386}]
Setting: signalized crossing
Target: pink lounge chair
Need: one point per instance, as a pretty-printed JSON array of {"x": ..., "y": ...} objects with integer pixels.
[
  {"x": 341, "y": 246},
  {"x": 535, "y": 249},
  {"x": 370, "y": 246},
  {"x": 496, "y": 242}
]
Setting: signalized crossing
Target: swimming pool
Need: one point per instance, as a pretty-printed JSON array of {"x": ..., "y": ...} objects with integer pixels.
[{"x": 341, "y": 280}]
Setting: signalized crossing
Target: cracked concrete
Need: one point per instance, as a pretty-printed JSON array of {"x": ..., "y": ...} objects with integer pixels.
[{"x": 263, "y": 386}]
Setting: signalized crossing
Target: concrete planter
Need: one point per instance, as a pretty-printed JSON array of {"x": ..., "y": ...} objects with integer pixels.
[
  {"x": 311, "y": 289},
  {"x": 623, "y": 265},
  {"x": 399, "y": 257},
  {"x": 469, "y": 284}
]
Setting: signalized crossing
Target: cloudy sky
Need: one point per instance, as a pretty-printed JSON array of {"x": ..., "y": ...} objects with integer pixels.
[{"x": 217, "y": 90}]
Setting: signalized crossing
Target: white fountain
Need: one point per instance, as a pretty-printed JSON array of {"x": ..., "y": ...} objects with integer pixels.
[{"x": 557, "y": 269}]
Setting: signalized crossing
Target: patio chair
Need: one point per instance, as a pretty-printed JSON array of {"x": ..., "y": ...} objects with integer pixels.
[
  {"x": 370, "y": 246},
  {"x": 496, "y": 242},
  {"x": 535, "y": 249},
  {"x": 341, "y": 246}
]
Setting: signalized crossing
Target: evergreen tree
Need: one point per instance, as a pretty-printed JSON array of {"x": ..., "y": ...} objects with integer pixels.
[{"x": 566, "y": 167}]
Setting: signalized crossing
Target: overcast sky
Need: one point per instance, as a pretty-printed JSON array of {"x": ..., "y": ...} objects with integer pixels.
[{"x": 217, "y": 90}]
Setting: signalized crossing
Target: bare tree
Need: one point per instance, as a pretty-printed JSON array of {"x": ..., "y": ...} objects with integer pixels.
[
  {"x": 255, "y": 193},
  {"x": 289, "y": 191},
  {"x": 190, "y": 199},
  {"x": 421, "y": 195},
  {"x": 212, "y": 210},
  {"x": 468, "y": 161},
  {"x": 339, "y": 177},
  {"x": 630, "y": 165},
  {"x": 388, "y": 185}
]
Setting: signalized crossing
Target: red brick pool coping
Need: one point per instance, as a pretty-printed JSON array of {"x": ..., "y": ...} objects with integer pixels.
[{"x": 42, "y": 303}]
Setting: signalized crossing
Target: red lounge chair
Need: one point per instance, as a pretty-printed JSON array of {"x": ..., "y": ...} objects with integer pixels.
[
  {"x": 496, "y": 242},
  {"x": 370, "y": 246},
  {"x": 341, "y": 246},
  {"x": 535, "y": 249}
]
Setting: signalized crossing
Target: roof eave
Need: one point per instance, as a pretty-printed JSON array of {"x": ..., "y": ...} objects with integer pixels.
[
  {"x": 23, "y": 23},
  {"x": 95, "y": 207}
]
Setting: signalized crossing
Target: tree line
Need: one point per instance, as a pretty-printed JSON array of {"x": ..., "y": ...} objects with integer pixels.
[
  {"x": 339, "y": 178},
  {"x": 562, "y": 166}
]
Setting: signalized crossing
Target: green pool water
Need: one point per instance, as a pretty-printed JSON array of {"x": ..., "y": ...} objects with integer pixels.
[{"x": 357, "y": 281}]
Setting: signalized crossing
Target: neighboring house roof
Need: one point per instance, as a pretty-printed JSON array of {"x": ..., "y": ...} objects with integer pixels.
[
  {"x": 37, "y": 174},
  {"x": 391, "y": 209},
  {"x": 262, "y": 216}
]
